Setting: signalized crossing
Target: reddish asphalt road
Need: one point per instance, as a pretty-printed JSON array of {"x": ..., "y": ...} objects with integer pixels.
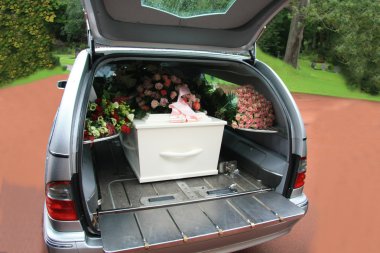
[{"x": 343, "y": 179}]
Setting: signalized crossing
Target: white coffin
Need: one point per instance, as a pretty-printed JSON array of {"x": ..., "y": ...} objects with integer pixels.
[{"x": 160, "y": 150}]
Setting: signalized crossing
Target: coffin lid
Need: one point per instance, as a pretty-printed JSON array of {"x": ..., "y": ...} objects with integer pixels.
[{"x": 232, "y": 26}]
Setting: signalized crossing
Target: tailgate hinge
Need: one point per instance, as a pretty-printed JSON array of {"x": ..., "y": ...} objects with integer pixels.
[
  {"x": 90, "y": 39},
  {"x": 252, "y": 53}
]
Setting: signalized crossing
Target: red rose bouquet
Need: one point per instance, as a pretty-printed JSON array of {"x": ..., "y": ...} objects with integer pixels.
[{"x": 107, "y": 117}]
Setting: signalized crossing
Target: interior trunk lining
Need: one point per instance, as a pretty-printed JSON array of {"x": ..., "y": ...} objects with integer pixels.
[{"x": 121, "y": 189}]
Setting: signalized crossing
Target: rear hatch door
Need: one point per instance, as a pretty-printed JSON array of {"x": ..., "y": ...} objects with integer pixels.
[{"x": 227, "y": 26}]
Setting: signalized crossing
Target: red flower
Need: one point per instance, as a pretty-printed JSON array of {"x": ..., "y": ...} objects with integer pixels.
[
  {"x": 99, "y": 108},
  {"x": 98, "y": 101},
  {"x": 111, "y": 129},
  {"x": 116, "y": 116},
  {"x": 94, "y": 116},
  {"x": 167, "y": 82},
  {"x": 86, "y": 135},
  {"x": 121, "y": 99},
  {"x": 125, "y": 129},
  {"x": 196, "y": 106},
  {"x": 163, "y": 92}
]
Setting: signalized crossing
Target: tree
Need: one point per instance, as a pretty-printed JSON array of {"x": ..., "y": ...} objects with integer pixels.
[
  {"x": 74, "y": 27},
  {"x": 24, "y": 40},
  {"x": 273, "y": 39},
  {"x": 295, "y": 37},
  {"x": 356, "y": 40}
]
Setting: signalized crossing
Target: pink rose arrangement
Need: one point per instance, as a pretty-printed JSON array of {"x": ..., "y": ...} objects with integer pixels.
[
  {"x": 253, "y": 110},
  {"x": 244, "y": 107},
  {"x": 107, "y": 117},
  {"x": 156, "y": 93}
]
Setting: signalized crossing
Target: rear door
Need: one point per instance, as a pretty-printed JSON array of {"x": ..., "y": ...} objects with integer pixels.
[{"x": 228, "y": 25}]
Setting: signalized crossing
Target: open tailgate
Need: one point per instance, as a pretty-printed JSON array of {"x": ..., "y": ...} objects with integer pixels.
[{"x": 171, "y": 225}]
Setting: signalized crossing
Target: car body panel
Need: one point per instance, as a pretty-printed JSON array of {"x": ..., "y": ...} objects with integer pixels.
[
  {"x": 61, "y": 134},
  {"x": 297, "y": 127}
]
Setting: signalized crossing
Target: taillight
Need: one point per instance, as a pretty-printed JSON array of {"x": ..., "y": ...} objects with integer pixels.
[
  {"x": 301, "y": 175},
  {"x": 59, "y": 201},
  {"x": 300, "y": 180}
]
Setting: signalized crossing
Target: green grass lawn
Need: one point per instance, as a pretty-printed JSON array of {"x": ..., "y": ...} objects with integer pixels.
[
  {"x": 66, "y": 59},
  {"x": 41, "y": 74},
  {"x": 307, "y": 80}
]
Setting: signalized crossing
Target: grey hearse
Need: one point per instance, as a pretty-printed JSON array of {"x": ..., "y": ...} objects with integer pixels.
[{"x": 95, "y": 201}]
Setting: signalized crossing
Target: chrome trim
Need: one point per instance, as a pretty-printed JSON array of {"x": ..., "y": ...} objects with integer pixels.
[
  {"x": 127, "y": 210},
  {"x": 302, "y": 201},
  {"x": 296, "y": 192},
  {"x": 102, "y": 139},
  {"x": 59, "y": 237},
  {"x": 65, "y": 226}
]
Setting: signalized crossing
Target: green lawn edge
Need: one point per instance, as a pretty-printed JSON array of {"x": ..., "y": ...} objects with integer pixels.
[
  {"x": 317, "y": 82},
  {"x": 64, "y": 60}
]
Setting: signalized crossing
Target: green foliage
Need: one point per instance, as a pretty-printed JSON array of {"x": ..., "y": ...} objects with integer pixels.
[
  {"x": 24, "y": 41},
  {"x": 310, "y": 81},
  {"x": 273, "y": 40},
  {"x": 74, "y": 28},
  {"x": 356, "y": 41},
  {"x": 345, "y": 33}
]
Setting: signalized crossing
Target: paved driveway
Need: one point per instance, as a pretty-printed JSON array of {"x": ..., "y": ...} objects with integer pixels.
[{"x": 343, "y": 180}]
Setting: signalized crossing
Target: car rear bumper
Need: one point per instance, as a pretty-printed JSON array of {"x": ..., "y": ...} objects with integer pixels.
[{"x": 67, "y": 242}]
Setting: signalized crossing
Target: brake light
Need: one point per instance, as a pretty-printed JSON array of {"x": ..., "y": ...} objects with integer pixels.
[
  {"x": 301, "y": 175},
  {"x": 300, "y": 180},
  {"x": 59, "y": 202}
]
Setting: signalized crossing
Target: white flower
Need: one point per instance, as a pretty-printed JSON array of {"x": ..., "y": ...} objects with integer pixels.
[
  {"x": 173, "y": 95},
  {"x": 154, "y": 103},
  {"x": 95, "y": 133},
  {"x": 159, "y": 86},
  {"x": 92, "y": 107},
  {"x": 131, "y": 116},
  {"x": 164, "y": 101},
  {"x": 103, "y": 130},
  {"x": 116, "y": 105}
]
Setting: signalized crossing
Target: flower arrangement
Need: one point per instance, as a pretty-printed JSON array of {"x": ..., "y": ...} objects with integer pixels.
[
  {"x": 247, "y": 108},
  {"x": 106, "y": 117},
  {"x": 156, "y": 93}
]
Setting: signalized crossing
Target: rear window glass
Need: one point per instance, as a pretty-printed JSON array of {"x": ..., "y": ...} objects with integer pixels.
[{"x": 189, "y": 8}]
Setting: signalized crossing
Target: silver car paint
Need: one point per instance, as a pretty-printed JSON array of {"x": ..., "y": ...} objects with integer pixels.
[{"x": 297, "y": 125}]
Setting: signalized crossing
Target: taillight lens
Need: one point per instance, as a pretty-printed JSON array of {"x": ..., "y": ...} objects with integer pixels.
[
  {"x": 301, "y": 175},
  {"x": 59, "y": 202},
  {"x": 300, "y": 180}
]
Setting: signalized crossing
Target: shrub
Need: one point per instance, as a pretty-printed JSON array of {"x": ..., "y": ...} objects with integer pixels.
[{"x": 24, "y": 41}]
